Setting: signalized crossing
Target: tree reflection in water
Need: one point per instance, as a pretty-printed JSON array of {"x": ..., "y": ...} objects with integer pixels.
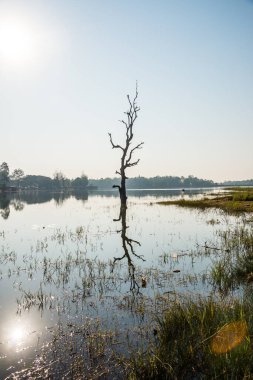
[
  {"x": 6, "y": 201},
  {"x": 4, "y": 206},
  {"x": 17, "y": 204},
  {"x": 5, "y": 212},
  {"x": 20, "y": 199},
  {"x": 128, "y": 247}
]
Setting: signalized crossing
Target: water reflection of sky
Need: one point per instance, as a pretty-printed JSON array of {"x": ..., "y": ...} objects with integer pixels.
[
  {"x": 20, "y": 335},
  {"x": 49, "y": 249}
]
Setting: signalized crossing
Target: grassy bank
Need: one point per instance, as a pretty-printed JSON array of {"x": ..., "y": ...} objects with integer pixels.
[
  {"x": 234, "y": 202},
  {"x": 202, "y": 339}
]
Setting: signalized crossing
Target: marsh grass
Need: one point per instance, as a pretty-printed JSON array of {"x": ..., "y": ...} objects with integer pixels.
[
  {"x": 243, "y": 196},
  {"x": 236, "y": 201},
  {"x": 182, "y": 348},
  {"x": 235, "y": 266}
]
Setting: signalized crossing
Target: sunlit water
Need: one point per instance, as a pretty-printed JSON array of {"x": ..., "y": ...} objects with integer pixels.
[{"x": 60, "y": 264}]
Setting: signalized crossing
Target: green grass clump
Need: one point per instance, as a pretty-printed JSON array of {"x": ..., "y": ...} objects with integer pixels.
[
  {"x": 243, "y": 196},
  {"x": 235, "y": 202},
  {"x": 185, "y": 343}
]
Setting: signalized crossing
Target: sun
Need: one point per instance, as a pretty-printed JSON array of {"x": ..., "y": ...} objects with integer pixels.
[
  {"x": 17, "y": 335},
  {"x": 17, "y": 42}
]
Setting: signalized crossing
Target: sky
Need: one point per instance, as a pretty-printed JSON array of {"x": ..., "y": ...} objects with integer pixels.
[{"x": 67, "y": 66}]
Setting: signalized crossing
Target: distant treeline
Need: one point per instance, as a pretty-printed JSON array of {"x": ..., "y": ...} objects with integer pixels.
[
  {"x": 248, "y": 182},
  {"x": 18, "y": 180},
  {"x": 59, "y": 182},
  {"x": 168, "y": 182}
]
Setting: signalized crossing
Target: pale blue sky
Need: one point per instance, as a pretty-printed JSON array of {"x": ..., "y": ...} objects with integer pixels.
[{"x": 64, "y": 89}]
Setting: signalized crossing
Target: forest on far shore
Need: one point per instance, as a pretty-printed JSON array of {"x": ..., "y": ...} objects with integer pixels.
[{"x": 166, "y": 182}]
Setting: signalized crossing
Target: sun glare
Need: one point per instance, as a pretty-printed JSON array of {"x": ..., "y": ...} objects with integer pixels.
[
  {"x": 17, "y": 43},
  {"x": 17, "y": 334}
]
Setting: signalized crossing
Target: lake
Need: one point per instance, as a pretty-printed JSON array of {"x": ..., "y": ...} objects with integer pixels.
[{"x": 78, "y": 283}]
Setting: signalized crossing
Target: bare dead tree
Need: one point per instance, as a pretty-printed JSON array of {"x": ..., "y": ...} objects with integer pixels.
[{"x": 127, "y": 149}]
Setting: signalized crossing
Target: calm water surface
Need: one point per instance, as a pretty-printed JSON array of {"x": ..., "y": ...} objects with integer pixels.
[{"x": 66, "y": 261}]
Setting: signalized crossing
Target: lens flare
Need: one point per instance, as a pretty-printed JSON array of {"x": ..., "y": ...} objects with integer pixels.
[{"x": 228, "y": 337}]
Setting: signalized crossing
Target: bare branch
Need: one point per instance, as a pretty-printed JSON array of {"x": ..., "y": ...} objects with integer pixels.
[
  {"x": 139, "y": 146},
  {"x": 118, "y": 258},
  {"x": 131, "y": 241},
  {"x": 114, "y": 145},
  {"x": 130, "y": 164},
  {"x": 124, "y": 122},
  {"x": 136, "y": 92}
]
